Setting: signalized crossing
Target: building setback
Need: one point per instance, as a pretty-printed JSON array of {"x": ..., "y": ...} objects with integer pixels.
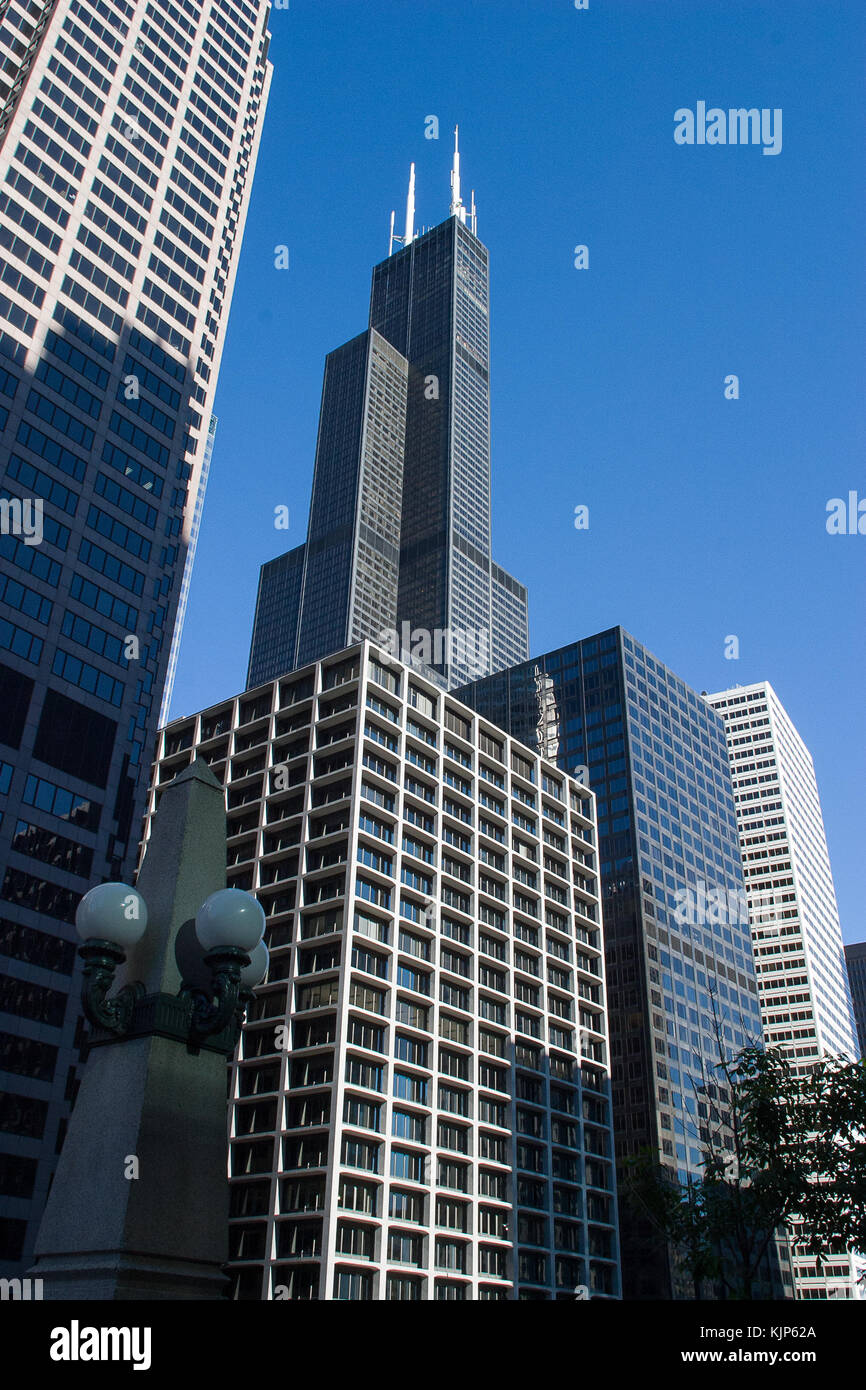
[
  {"x": 796, "y": 936},
  {"x": 346, "y": 574},
  {"x": 430, "y": 302},
  {"x": 420, "y": 1105},
  {"x": 678, "y": 974},
  {"x": 128, "y": 139}
]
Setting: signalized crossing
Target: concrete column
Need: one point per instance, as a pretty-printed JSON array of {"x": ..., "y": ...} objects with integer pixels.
[{"x": 139, "y": 1204}]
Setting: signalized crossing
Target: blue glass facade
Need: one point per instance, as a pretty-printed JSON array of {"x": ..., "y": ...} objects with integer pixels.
[{"x": 855, "y": 959}]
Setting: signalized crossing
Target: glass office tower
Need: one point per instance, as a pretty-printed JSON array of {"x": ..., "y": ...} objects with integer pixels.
[
  {"x": 430, "y": 301},
  {"x": 855, "y": 959},
  {"x": 128, "y": 139},
  {"x": 655, "y": 755}
]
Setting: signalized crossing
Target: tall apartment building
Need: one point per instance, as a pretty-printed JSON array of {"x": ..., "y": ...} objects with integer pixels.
[
  {"x": 420, "y": 1106},
  {"x": 796, "y": 935},
  {"x": 655, "y": 755},
  {"x": 855, "y": 959},
  {"x": 129, "y": 133},
  {"x": 430, "y": 302}
]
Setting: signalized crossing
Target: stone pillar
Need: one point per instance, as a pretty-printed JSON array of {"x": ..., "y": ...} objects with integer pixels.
[{"x": 139, "y": 1204}]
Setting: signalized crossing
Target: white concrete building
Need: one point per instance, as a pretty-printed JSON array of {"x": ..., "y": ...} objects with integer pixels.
[
  {"x": 803, "y": 984},
  {"x": 420, "y": 1106}
]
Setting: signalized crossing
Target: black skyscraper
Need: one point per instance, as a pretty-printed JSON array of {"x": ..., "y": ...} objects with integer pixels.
[{"x": 430, "y": 301}]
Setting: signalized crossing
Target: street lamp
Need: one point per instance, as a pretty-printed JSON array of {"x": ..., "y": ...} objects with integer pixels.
[{"x": 229, "y": 927}]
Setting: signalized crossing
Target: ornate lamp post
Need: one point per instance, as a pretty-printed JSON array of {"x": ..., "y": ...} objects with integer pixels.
[
  {"x": 229, "y": 928},
  {"x": 139, "y": 1204}
]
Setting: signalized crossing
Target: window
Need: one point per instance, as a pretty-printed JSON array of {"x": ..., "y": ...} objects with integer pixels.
[
  {"x": 406, "y": 1206},
  {"x": 453, "y": 995},
  {"x": 454, "y": 1137},
  {"x": 413, "y": 1015},
  {"x": 366, "y": 997},
  {"x": 453, "y": 1175},
  {"x": 402, "y": 1288},
  {"x": 451, "y": 1255},
  {"x": 370, "y": 927},
  {"x": 454, "y": 1064},
  {"x": 366, "y": 1074},
  {"x": 492, "y": 1112},
  {"x": 411, "y": 1088},
  {"x": 491, "y": 1261},
  {"x": 358, "y": 1153},
  {"x": 406, "y": 1165},
  {"x": 491, "y": 946},
  {"x": 421, "y": 702},
  {"x": 454, "y": 1100},
  {"x": 370, "y": 962},
  {"x": 408, "y": 1126},
  {"x": 404, "y": 1249},
  {"x": 355, "y": 1240},
  {"x": 453, "y": 1215},
  {"x": 417, "y": 980},
  {"x": 522, "y": 766},
  {"x": 456, "y": 962},
  {"x": 492, "y": 1077},
  {"x": 352, "y": 1284},
  {"x": 493, "y": 1011},
  {"x": 493, "y": 1184},
  {"x": 492, "y": 1222},
  {"x": 456, "y": 931},
  {"x": 367, "y": 1035},
  {"x": 414, "y": 945},
  {"x": 492, "y": 1147},
  {"x": 411, "y": 1050},
  {"x": 359, "y": 1197}
]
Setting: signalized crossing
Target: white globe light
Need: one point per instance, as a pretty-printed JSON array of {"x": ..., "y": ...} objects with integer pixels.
[
  {"x": 255, "y": 972},
  {"x": 230, "y": 917},
  {"x": 112, "y": 912}
]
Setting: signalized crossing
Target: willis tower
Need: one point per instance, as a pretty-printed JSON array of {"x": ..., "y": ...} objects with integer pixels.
[{"x": 399, "y": 535}]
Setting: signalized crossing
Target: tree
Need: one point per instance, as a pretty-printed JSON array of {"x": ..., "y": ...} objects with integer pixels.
[{"x": 779, "y": 1146}]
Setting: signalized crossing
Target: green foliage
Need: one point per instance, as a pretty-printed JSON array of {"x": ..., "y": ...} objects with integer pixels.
[{"x": 778, "y": 1147}]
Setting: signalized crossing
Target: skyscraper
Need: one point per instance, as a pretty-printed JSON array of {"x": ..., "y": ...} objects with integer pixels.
[
  {"x": 680, "y": 979},
  {"x": 421, "y": 1100},
  {"x": 430, "y": 301},
  {"x": 855, "y": 958},
  {"x": 796, "y": 937},
  {"x": 128, "y": 139}
]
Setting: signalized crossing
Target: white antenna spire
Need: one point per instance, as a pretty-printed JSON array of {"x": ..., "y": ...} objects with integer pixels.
[
  {"x": 472, "y": 216},
  {"x": 410, "y": 208},
  {"x": 457, "y": 208},
  {"x": 391, "y": 235}
]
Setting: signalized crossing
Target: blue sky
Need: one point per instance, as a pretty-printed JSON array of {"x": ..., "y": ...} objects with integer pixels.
[{"x": 707, "y": 515}]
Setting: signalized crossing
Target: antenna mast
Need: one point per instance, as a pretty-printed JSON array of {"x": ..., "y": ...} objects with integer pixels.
[
  {"x": 457, "y": 208},
  {"x": 409, "y": 233}
]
